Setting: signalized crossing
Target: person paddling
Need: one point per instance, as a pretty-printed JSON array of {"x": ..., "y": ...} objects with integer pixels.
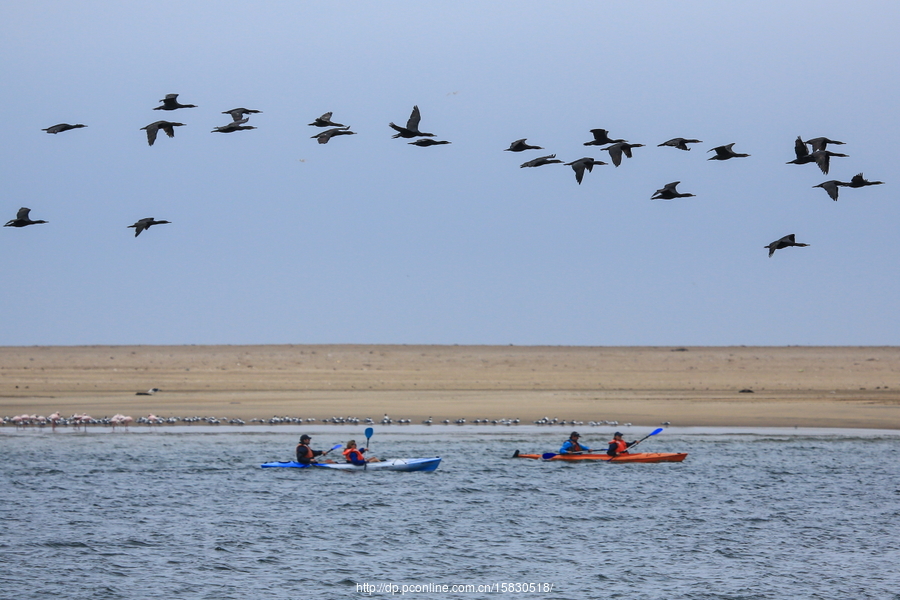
[
  {"x": 571, "y": 445},
  {"x": 355, "y": 456},
  {"x": 305, "y": 454},
  {"x": 618, "y": 445}
]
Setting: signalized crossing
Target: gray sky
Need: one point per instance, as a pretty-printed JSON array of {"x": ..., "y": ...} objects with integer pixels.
[{"x": 277, "y": 239}]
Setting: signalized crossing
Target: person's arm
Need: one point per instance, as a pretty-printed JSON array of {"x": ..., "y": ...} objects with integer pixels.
[
  {"x": 612, "y": 449},
  {"x": 564, "y": 449}
]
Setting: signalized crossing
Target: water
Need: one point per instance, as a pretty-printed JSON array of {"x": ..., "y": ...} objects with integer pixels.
[{"x": 184, "y": 513}]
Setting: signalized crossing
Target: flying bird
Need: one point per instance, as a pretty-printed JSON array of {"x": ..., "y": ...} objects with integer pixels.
[
  {"x": 324, "y": 136},
  {"x": 832, "y": 187},
  {"x": 170, "y": 102},
  {"x": 784, "y": 242},
  {"x": 239, "y": 114},
  {"x": 823, "y": 158},
  {"x": 167, "y": 126},
  {"x": 801, "y": 152},
  {"x": 725, "y": 152},
  {"x": 233, "y": 126},
  {"x": 149, "y": 392},
  {"x": 62, "y": 127},
  {"x": 325, "y": 121},
  {"x": 680, "y": 143},
  {"x": 581, "y": 164},
  {"x": 543, "y": 160},
  {"x": 859, "y": 181},
  {"x": 412, "y": 126},
  {"x": 428, "y": 142},
  {"x": 668, "y": 192},
  {"x": 22, "y": 219},
  {"x": 601, "y": 138},
  {"x": 619, "y": 148},
  {"x": 145, "y": 224},
  {"x": 521, "y": 146},
  {"x": 820, "y": 143}
]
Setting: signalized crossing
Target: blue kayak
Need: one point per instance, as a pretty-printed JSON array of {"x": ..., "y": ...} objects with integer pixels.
[{"x": 397, "y": 464}]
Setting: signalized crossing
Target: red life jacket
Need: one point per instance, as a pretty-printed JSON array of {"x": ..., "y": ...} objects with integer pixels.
[
  {"x": 621, "y": 445},
  {"x": 575, "y": 447}
]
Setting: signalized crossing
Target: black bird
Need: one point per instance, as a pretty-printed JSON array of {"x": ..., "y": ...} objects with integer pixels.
[
  {"x": 859, "y": 181},
  {"x": 325, "y": 121},
  {"x": 22, "y": 219},
  {"x": 145, "y": 224},
  {"x": 617, "y": 149},
  {"x": 62, "y": 127},
  {"x": 324, "y": 136},
  {"x": 412, "y": 126},
  {"x": 581, "y": 164},
  {"x": 784, "y": 242},
  {"x": 725, "y": 152},
  {"x": 668, "y": 192},
  {"x": 832, "y": 187},
  {"x": 233, "y": 126},
  {"x": 680, "y": 143},
  {"x": 823, "y": 157},
  {"x": 428, "y": 142},
  {"x": 802, "y": 153},
  {"x": 543, "y": 160},
  {"x": 601, "y": 138},
  {"x": 820, "y": 143},
  {"x": 170, "y": 102},
  {"x": 238, "y": 114},
  {"x": 521, "y": 146},
  {"x": 167, "y": 126}
]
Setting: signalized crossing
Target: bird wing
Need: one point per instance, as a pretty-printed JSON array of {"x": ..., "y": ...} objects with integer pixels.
[
  {"x": 578, "y": 167},
  {"x": 601, "y": 135},
  {"x": 800, "y": 148},
  {"x": 615, "y": 153},
  {"x": 823, "y": 160},
  {"x": 414, "y": 118},
  {"x": 152, "y": 130},
  {"x": 23, "y": 214}
]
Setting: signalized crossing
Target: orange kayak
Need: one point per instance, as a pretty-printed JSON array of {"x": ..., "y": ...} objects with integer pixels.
[{"x": 637, "y": 457}]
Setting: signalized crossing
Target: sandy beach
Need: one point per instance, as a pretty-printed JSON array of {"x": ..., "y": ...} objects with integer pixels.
[{"x": 847, "y": 387}]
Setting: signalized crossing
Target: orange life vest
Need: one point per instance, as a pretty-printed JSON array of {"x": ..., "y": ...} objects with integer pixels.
[
  {"x": 354, "y": 456},
  {"x": 621, "y": 445}
]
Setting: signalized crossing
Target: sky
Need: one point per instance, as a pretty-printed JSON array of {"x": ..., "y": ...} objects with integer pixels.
[{"x": 276, "y": 239}]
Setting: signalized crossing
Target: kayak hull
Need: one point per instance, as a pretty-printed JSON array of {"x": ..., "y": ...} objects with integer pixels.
[
  {"x": 397, "y": 464},
  {"x": 637, "y": 457}
]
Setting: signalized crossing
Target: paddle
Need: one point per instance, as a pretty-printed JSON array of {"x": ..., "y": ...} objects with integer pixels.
[
  {"x": 654, "y": 432},
  {"x": 369, "y": 432},
  {"x": 335, "y": 447}
]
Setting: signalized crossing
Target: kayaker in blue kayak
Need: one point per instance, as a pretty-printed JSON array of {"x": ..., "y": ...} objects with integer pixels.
[
  {"x": 618, "y": 445},
  {"x": 571, "y": 445},
  {"x": 305, "y": 454},
  {"x": 355, "y": 456}
]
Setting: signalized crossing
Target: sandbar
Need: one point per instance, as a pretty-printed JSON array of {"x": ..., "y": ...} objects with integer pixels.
[{"x": 745, "y": 386}]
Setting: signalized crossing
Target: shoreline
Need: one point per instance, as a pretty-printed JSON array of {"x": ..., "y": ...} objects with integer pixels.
[{"x": 834, "y": 387}]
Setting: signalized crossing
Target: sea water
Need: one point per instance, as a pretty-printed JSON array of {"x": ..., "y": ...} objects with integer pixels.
[{"x": 189, "y": 513}]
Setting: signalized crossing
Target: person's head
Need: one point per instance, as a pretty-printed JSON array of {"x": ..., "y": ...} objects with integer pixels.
[
  {"x": 574, "y": 435},
  {"x": 305, "y": 439},
  {"x": 617, "y": 435},
  {"x": 350, "y": 444}
]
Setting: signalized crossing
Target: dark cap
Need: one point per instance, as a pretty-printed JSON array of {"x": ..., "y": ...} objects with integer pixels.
[
  {"x": 304, "y": 437},
  {"x": 574, "y": 434},
  {"x": 616, "y": 434}
]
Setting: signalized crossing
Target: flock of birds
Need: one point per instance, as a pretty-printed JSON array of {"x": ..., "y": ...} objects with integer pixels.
[
  {"x": 814, "y": 150},
  {"x": 83, "y": 420}
]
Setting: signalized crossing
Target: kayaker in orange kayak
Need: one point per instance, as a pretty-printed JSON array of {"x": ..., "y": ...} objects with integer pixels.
[
  {"x": 618, "y": 445},
  {"x": 571, "y": 445}
]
